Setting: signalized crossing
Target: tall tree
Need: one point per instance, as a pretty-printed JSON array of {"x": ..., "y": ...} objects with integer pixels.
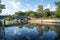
[
  {"x": 57, "y": 4},
  {"x": 57, "y": 9},
  {"x": 40, "y": 11},
  {"x": 29, "y": 12},
  {"x": 47, "y": 12}
]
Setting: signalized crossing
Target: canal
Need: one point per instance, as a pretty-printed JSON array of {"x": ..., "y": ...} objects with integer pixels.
[{"x": 32, "y": 32}]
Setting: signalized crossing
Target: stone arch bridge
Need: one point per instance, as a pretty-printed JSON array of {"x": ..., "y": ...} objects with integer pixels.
[{"x": 21, "y": 18}]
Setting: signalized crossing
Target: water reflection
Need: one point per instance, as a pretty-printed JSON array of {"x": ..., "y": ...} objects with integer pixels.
[
  {"x": 32, "y": 32},
  {"x": 21, "y": 33}
]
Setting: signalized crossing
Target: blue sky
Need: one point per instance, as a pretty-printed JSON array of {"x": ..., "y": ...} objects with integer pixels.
[{"x": 13, "y": 6}]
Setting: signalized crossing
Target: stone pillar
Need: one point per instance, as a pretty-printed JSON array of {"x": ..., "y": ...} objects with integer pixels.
[{"x": 3, "y": 22}]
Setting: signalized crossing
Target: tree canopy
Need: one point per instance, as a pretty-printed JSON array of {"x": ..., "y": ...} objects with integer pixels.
[
  {"x": 42, "y": 13},
  {"x": 1, "y": 7}
]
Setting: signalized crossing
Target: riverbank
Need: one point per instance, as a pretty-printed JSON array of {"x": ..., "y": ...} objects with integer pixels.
[{"x": 48, "y": 21}]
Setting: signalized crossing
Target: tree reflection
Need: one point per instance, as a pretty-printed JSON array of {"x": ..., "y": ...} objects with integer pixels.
[
  {"x": 57, "y": 29},
  {"x": 44, "y": 28},
  {"x": 40, "y": 31}
]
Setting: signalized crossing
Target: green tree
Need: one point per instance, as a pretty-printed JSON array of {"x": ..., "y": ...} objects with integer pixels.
[
  {"x": 8, "y": 19},
  {"x": 57, "y": 4},
  {"x": 29, "y": 13},
  {"x": 47, "y": 13},
  {"x": 20, "y": 13},
  {"x": 40, "y": 11},
  {"x": 52, "y": 14},
  {"x": 57, "y": 12}
]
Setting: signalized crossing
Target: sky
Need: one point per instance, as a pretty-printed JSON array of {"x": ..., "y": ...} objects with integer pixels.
[{"x": 13, "y": 6}]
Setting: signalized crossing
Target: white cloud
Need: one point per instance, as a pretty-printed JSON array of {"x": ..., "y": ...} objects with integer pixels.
[
  {"x": 53, "y": 9},
  {"x": 6, "y": 12},
  {"x": 23, "y": 10},
  {"x": 14, "y": 7},
  {"x": 48, "y": 6},
  {"x": 15, "y": 4},
  {"x": 35, "y": 9}
]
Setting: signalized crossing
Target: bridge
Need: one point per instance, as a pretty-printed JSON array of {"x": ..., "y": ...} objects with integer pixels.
[
  {"x": 16, "y": 17},
  {"x": 22, "y": 19}
]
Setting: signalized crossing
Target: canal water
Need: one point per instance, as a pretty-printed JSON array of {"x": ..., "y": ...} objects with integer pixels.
[{"x": 32, "y": 32}]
